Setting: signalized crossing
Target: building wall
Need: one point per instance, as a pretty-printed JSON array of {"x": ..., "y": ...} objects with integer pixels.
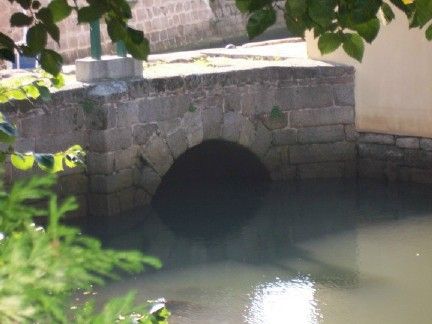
[
  {"x": 394, "y": 81},
  {"x": 168, "y": 24}
]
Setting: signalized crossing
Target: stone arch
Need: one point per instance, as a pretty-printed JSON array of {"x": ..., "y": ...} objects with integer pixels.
[{"x": 169, "y": 139}]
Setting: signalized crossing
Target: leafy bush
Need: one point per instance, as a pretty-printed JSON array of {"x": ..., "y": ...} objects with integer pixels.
[{"x": 41, "y": 268}]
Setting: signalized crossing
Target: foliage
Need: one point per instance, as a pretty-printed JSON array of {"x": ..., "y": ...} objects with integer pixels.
[
  {"x": 346, "y": 23},
  {"x": 42, "y": 22},
  {"x": 41, "y": 268}
]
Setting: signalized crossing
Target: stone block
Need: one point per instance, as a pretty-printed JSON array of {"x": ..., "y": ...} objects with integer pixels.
[
  {"x": 142, "y": 198},
  {"x": 376, "y": 138},
  {"x": 247, "y": 132},
  {"x": 100, "y": 163},
  {"x": 408, "y": 142},
  {"x": 321, "y": 170},
  {"x": 426, "y": 144},
  {"x": 147, "y": 179},
  {"x": 284, "y": 98},
  {"x": 262, "y": 141},
  {"x": 212, "y": 122},
  {"x": 103, "y": 205},
  {"x": 380, "y": 152},
  {"x": 110, "y": 140},
  {"x": 99, "y": 117},
  {"x": 284, "y": 172},
  {"x": 351, "y": 133},
  {"x": 231, "y": 126},
  {"x": 111, "y": 183},
  {"x": 177, "y": 143},
  {"x": 60, "y": 142},
  {"x": 108, "y": 67},
  {"x": 154, "y": 109},
  {"x": 274, "y": 121},
  {"x": 231, "y": 102},
  {"x": 276, "y": 157},
  {"x": 127, "y": 114},
  {"x": 143, "y": 132},
  {"x": 317, "y": 96},
  {"x": 125, "y": 159},
  {"x": 74, "y": 184},
  {"x": 417, "y": 158},
  {"x": 344, "y": 94},
  {"x": 321, "y": 134},
  {"x": 285, "y": 136},
  {"x": 310, "y": 153},
  {"x": 369, "y": 168},
  {"x": 323, "y": 116},
  {"x": 193, "y": 127},
  {"x": 264, "y": 97},
  {"x": 157, "y": 153},
  {"x": 416, "y": 175}
]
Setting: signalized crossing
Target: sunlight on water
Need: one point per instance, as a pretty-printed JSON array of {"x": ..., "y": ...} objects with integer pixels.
[{"x": 277, "y": 301}]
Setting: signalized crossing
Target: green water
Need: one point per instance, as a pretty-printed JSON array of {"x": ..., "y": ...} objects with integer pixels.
[{"x": 310, "y": 252}]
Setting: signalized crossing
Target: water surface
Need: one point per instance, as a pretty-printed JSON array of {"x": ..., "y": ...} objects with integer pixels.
[{"x": 302, "y": 252}]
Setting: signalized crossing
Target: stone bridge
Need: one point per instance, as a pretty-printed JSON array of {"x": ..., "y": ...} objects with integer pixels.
[{"x": 298, "y": 119}]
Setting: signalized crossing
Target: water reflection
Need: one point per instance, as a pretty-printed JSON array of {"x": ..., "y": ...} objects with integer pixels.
[
  {"x": 342, "y": 250},
  {"x": 291, "y": 301}
]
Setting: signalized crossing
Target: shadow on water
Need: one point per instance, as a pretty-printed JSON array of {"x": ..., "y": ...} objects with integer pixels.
[{"x": 211, "y": 189}]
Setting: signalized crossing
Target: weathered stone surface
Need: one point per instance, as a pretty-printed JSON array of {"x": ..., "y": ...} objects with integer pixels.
[
  {"x": 162, "y": 108},
  {"x": 408, "y": 142},
  {"x": 351, "y": 133},
  {"x": 376, "y": 138},
  {"x": 308, "y": 153},
  {"x": 344, "y": 94},
  {"x": 285, "y": 136},
  {"x": 193, "y": 127},
  {"x": 380, "y": 152},
  {"x": 321, "y": 170},
  {"x": 321, "y": 134},
  {"x": 103, "y": 204},
  {"x": 416, "y": 175},
  {"x": 262, "y": 141},
  {"x": 276, "y": 157},
  {"x": 324, "y": 116},
  {"x": 99, "y": 116},
  {"x": 317, "y": 96},
  {"x": 426, "y": 144},
  {"x": 177, "y": 143},
  {"x": 100, "y": 163},
  {"x": 273, "y": 122},
  {"x": 231, "y": 102},
  {"x": 247, "y": 132},
  {"x": 284, "y": 98},
  {"x": 59, "y": 142},
  {"x": 231, "y": 126},
  {"x": 369, "y": 168},
  {"x": 127, "y": 114},
  {"x": 157, "y": 153},
  {"x": 418, "y": 158},
  {"x": 212, "y": 120},
  {"x": 147, "y": 179},
  {"x": 143, "y": 132},
  {"x": 125, "y": 159},
  {"x": 110, "y": 140},
  {"x": 284, "y": 172},
  {"x": 75, "y": 184},
  {"x": 111, "y": 183}
]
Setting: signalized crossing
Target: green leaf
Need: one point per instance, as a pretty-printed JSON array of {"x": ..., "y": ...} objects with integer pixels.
[
  {"x": 8, "y": 132},
  {"x": 139, "y": 51},
  {"x": 88, "y": 14},
  {"x": 36, "y": 5},
  {"x": 428, "y": 33},
  {"x": 423, "y": 12},
  {"x": 296, "y": 8},
  {"x": 353, "y": 46},
  {"x": 59, "y": 9},
  {"x": 45, "y": 161},
  {"x": 251, "y": 5},
  {"x": 368, "y": 30},
  {"x": 6, "y": 41},
  {"x": 243, "y": 5},
  {"x": 44, "y": 92},
  {"x": 58, "y": 81},
  {"x": 19, "y": 19},
  {"x": 58, "y": 162},
  {"x": 322, "y": 11},
  {"x": 329, "y": 42},
  {"x": 387, "y": 12},
  {"x": 7, "y": 54},
  {"x": 16, "y": 94},
  {"x": 25, "y": 4},
  {"x": 54, "y": 31},
  {"x": 260, "y": 21},
  {"x": 31, "y": 91},
  {"x": 297, "y": 28},
  {"x": 51, "y": 61},
  {"x": 22, "y": 161},
  {"x": 116, "y": 29},
  {"x": 36, "y": 38}
]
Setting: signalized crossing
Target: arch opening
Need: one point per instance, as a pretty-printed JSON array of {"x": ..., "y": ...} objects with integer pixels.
[{"x": 211, "y": 190}]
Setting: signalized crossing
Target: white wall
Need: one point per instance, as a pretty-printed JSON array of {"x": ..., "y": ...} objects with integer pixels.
[{"x": 394, "y": 82}]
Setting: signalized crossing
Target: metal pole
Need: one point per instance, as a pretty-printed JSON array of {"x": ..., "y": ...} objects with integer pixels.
[
  {"x": 121, "y": 49},
  {"x": 95, "y": 40}
]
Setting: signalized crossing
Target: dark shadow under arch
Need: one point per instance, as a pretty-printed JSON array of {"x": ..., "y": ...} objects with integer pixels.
[{"x": 209, "y": 185}]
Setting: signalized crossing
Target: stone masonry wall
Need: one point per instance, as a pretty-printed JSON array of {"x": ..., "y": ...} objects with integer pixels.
[
  {"x": 298, "y": 120},
  {"x": 168, "y": 24}
]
